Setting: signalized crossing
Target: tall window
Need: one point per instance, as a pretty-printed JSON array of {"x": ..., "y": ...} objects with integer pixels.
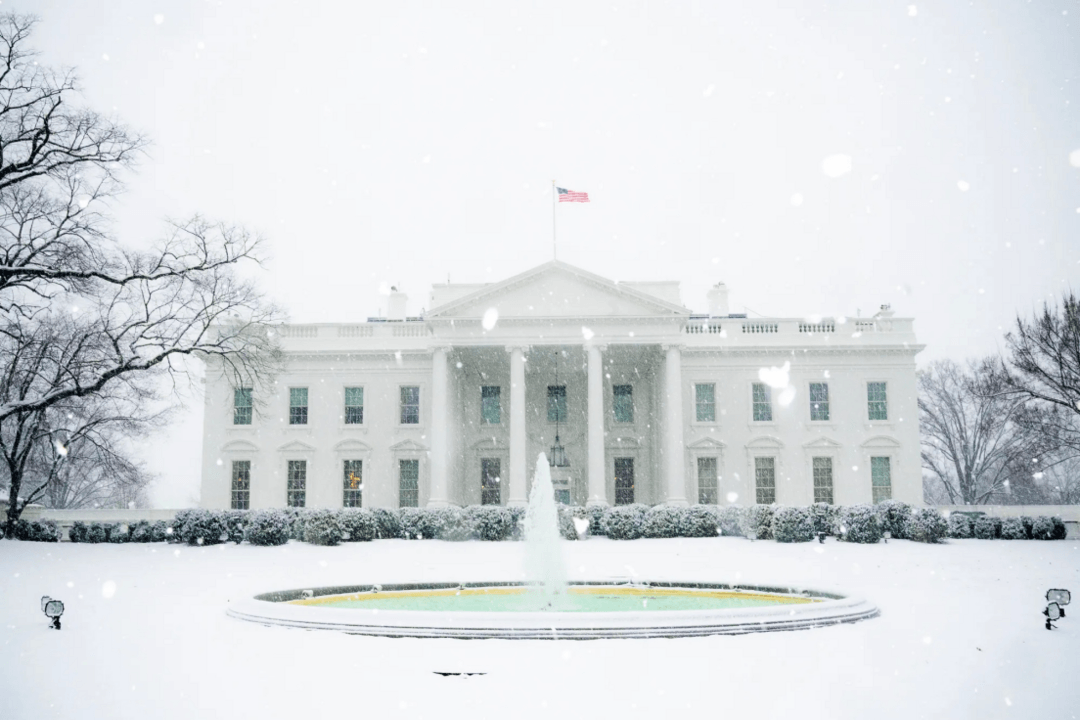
[
  {"x": 296, "y": 490},
  {"x": 765, "y": 480},
  {"x": 762, "y": 403},
  {"x": 354, "y": 483},
  {"x": 881, "y": 478},
  {"x": 823, "y": 486},
  {"x": 705, "y": 402},
  {"x": 819, "y": 401},
  {"x": 624, "y": 481},
  {"x": 410, "y": 405},
  {"x": 489, "y": 481},
  {"x": 623, "y": 403},
  {"x": 298, "y": 406},
  {"x": 241, "y": 406},
  {"x": 354, "y": 406},
  {"x": 556, "y": 406},
  {"x": 408, "y": 483},
  {"x": 877, "y": 401},
  {"x": 491, "y": 404},
  {"x": 706, "y": 481},
  {"x": 241, "y": 485}
]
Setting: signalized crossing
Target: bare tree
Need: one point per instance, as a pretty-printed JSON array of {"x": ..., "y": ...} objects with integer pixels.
[
  {"x": 973, "y": 444},
  {"x": 82, "y": 318}
]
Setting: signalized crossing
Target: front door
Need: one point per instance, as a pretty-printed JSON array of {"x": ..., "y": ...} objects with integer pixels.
[
  {"x": 489, "y": 481},
  {"x": 624, "y": 481}
]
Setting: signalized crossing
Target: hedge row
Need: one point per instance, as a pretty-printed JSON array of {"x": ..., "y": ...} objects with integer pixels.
[{"x": 854, "y": 523}]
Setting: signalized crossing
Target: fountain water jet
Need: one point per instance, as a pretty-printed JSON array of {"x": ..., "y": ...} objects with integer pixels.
[{"x": 543, "y": 549}]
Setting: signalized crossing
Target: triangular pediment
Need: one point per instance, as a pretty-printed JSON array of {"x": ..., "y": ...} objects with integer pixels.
[
  {"x": 408, "y": 446},
  {"x": 354, "y": 446},
  {"x": 765, "y": 441},
  {"x": 296, "y": 446},
  {"x": 881, "y": 442},
  {"x": 706, "y": 443},
  {"x": 555, "y": 290},
  {"x": 244, "y": 446},
  {"x": 822, "y": 443}
]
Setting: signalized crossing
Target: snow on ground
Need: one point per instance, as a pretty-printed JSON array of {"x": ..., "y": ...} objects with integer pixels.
[{"x": 960, "y": 635}]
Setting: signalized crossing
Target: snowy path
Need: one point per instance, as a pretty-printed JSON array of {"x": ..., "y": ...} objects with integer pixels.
[{"x": 959, "y": 636}]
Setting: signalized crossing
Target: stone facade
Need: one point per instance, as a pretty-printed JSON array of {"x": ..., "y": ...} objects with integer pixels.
[{"x": 639, "y": 370}]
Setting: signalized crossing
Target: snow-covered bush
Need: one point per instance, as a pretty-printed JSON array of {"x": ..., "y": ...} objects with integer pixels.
[
  {"x": 1027, "y": 520},
  {"x": 927, "y": 525},
  {"x": 859, "y": 524},
  {"x": 37, "y": 531},
  {"x": 580, "y": 516},
  {"x": 201, "y": 527},
  {"x": 321, "y": 527},
  {"x": 358, "y": 524},
  {"x": 159, "y": 531},
  {"x": 1042, "y": 528},
  {"x": 662, "y": 521},
  {"x": 595, "y": 513},
  {"x": 624, "y": 522},
  {"x": 701, "y": 521},
  {"x": 792, "y": 524},
  {"x": 96, "y": 533},
  {"x": 1012, "y": 528},
  {"x": 235, "y": 520},
  {"x": 450, "y": 523},
  {"x": 387, "y": 523},
  {"x": 489, "y": 522},
  {"x": 960, "y": 526},
  {"x": 117, "y": 532},
  {"x": 731, "y": 520},
  {"x": 893, "y": 516},
  {"x": 566, "y": 522},
  {"x": 823, "y": 518},
  {"x": 986, "y": 527},
  {"x": 757, "y": 522},
  {"x": 139, "y": 532},
  {"x": 517, "y": 515},
  {"x": 268, "y": 527},
  {"x": 1060, "y": 531},
  {"x": 433, "y": 523},
  {"x": 78, "y": 532}
]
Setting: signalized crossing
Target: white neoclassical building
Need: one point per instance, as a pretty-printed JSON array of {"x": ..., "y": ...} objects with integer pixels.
[{"x": 641, "y": 399}]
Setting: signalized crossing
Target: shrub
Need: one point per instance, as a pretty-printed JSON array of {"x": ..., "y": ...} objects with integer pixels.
[
  {"x": 96, "y": 533},
  {"x": 986, "y": 527},
  {"x": 893, "y": 516},
  {"x": 1012, "y": 528},
  {"x": 268, "y": 527},
  {"x": 595, "y": 514},
  {"x": 78, "y": 532},
  {"x": 433, "y": 523},
  {"x": 139, "y": 532},
  {"x": 823, "y": 518},
  {"x": 1042, "y": 528},
  {"x": 624, "y": 522},
  {"x": 566, "y": 522},
  {"x": 358, "y": 524},
  {"x": 296, "y": 518},
  {"x": 321, "y": 527},
  {"x": 387, "y": 523},
  {"x": 927, "y": 525},
  {"x": 37, "y": 531},
  {"x": 859, "y": 524},
  {"x": 662, "y": 521},
  {"x": 517, "y": 515},
  {"x": 757, "y": 522},
  {"x": 159, "y": 531},
  {"x": 792, "y": 524},
  {"x": 1060, "y": 531},
  {"x": 489, "y": 522},
  {"x": 1027, "y": 521},
  {"x": 731, "y": 520},
  {"x": 235, "y": 520},
  {"x": 202, "y": 527},
  {"x": 960, "y": 526},
  {"x": 117, "y": 532},
  {"x": 701, "y": 521}
]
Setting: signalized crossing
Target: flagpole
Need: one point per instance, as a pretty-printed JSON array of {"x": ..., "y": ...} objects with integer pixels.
[{"x": 554, "y": 250}]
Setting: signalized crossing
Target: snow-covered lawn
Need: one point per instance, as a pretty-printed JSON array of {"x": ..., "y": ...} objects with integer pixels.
[{"x": 145, "y": 635}]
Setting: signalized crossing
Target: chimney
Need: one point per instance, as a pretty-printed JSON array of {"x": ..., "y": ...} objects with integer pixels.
[
  {"x": 396, "y": 306},
  {"x": 718, "y": 300}
]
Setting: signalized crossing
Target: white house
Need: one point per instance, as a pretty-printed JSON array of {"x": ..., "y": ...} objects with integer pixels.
[{"x": 650, "y": 403}]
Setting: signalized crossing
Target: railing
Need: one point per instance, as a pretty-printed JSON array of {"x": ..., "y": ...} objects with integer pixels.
[
  {"x": 410, "y": 330},
  {"x": 354, "y": 331},
  {"x": 822, "y": 327},
  {"x": 703, "y": 328},
  {"x": 760, "y": 327},
  {"x": 865, "y": 326},
  {"x": 299, "y": 331}
]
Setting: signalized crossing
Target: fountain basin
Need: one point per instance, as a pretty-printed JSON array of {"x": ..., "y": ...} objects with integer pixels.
[{"x": 588, "y": 610}]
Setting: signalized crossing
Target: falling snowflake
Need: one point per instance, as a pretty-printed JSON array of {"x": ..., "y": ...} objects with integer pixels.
[{"x": 491, "y": 317}]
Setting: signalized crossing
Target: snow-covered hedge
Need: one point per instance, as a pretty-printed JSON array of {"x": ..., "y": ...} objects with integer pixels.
[
  {"x": 960, "y": 526},
  {"x": 565, "y": 513},
  {"x": 756, "y": 522},
  {"x": 927, "y": 525},
  {"x": 986, "y": 527},
  {"x": 859, "y": 524},
  {"x": 433, "y": 523},
  {"x": 268, "y": 527},
  {"x": 117, "y": 532},
  {"x": 624, "y": 522},
  {"x": 517, "y": 514},
  {"x": 1060, "y": 531},
  {"x": 731, "y": 520},
  {"x": 662, "y": 521},
  {"x": 893, "y": 516},
  {"x": 37, "y": 531},
  {"x": 235, "y": 522},
  {"x": 1042, "y": 528},
  {"x": 1012, "y": 528},
  {"x": 321, "y": 527},
  {"x": 200, "y": 527},
  {"x": 595, "y": 514},
  {"x": 823, "y": 518},
  {"x": 358, "y": 524},
  {"x": 489, "y": 522},
  {"x": 701, "y": 521},
  {"x": 792, "y": 524},
  {"x": 387, "y": 523}
]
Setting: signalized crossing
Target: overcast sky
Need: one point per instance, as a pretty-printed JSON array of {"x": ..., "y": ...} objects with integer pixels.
[{"x": 378, "y": 143}]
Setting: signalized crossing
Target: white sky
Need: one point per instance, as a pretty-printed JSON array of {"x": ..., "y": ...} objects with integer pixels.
[{"x": 404, "y": 142}]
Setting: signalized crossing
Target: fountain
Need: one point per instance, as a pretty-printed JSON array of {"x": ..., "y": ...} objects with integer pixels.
[{"x": 548, "y": 606}]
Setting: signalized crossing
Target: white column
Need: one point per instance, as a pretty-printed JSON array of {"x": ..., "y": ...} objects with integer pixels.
[
  {"x": 517, "y": 427},
  {"x": 597, "y": 482},
  {"x": 674, "y": 462},
  {"x": 440, "y": 428}
]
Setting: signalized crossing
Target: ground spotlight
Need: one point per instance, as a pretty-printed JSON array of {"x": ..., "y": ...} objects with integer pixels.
[
  {"x": 821, "y": 537},
  {"x": 1061, "y": 597},
  {"x": 53, "y": 609},
  {"x": 1052, "y": 613}
]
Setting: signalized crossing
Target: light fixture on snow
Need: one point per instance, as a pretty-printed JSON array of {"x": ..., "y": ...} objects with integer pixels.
[
  {"x": 821, "y": 537},
  {"x": 53, "y": 609},
  {"x": 1052, "y": 613},
  {"x": 1061, "y": 597},
  {"x": 887, "y": 535}
]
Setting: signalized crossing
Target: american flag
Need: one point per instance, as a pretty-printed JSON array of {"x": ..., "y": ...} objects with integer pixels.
[{"x": 571, "y": 195}]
